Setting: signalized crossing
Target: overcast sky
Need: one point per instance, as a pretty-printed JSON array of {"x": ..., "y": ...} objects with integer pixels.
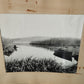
[{"x": 28, "y": 25}]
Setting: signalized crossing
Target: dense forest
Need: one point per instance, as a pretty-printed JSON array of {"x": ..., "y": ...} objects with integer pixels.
[{"x": 57, "y": 42}]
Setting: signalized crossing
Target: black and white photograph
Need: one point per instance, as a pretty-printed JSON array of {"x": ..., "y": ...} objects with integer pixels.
[{"x": 41, "y": 42}]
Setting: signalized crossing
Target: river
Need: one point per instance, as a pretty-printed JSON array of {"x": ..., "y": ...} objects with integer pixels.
[{"x": 24, "y": 52}]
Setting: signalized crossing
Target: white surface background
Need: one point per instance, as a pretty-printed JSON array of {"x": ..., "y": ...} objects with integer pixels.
[{"x": 26, "y": 25}]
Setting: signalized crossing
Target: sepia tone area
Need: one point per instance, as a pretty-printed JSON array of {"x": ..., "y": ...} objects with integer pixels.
[
  {"x": 62, "y": 7},
  {"x": 42, "y": 6}
]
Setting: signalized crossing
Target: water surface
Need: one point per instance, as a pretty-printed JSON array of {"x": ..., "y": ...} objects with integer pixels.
[{"x": 24, "y": 52}]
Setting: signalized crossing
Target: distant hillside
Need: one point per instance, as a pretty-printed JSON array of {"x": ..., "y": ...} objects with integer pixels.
[
  {"x": 58, "y": 42},
  {"x": 30, "y": 39},
  {"x": 6, "y": 41},
  {"x": 42, "y": 41}
]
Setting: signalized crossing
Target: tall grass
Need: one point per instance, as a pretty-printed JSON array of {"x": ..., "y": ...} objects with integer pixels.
[{"x": 39, "y": 65}]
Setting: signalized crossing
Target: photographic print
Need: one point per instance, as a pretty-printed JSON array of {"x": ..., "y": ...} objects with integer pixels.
[{"x": 41, "y": 42}]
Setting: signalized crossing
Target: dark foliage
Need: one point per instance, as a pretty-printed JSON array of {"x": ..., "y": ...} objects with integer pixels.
[
  {"x": 57, "y": 42},
  {"x": 39, "y": 65}
]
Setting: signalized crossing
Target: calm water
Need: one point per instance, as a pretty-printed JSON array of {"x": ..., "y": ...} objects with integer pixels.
[{"x": 24, "y": 52}]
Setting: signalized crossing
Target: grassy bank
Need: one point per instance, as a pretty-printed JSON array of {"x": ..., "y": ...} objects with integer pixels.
[{"x": 39, "y": 65}]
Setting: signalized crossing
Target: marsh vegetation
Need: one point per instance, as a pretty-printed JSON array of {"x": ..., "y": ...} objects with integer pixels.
[{"x": 37, "y": 65}]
